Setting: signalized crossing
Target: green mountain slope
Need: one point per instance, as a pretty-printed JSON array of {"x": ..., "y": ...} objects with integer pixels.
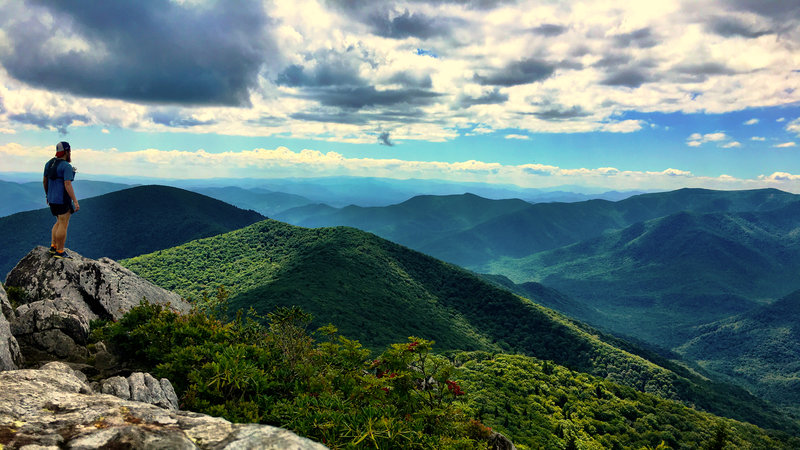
[
  {"x": 124, "y": 224},
  {"x": 675, "y": 272},
  {"x": 548, "y": 226},
  {"x": 546, "y": 296},
  {"x": 760, "y": 348},
  {"x": 379, "y": 292},
  {"x": 414, "y": 222},
  {"x": 472, "y": 231}
]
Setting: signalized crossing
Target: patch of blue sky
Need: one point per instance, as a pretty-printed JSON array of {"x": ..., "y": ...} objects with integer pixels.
[{"x": 423, "y": 52}]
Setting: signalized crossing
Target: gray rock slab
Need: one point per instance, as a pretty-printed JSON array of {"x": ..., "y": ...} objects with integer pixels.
[
  {"x": 45, "y": 408},
  {"x": 116, "y": 386},
  {"x": 96, "y": 288}
]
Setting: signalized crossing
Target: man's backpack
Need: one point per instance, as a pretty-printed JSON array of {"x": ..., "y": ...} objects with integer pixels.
[{"x": 52, "y": 168}]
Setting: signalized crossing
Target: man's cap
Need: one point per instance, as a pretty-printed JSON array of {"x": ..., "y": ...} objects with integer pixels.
[{"x": 62, "y": 148}]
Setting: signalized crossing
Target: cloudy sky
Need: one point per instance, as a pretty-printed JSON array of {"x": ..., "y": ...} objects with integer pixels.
[{"x": 617, "y": 94}]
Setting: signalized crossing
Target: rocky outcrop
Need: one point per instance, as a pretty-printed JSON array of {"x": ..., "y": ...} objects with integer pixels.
[
  {"x": 62, "y": 296},
  {"x": 142, "y": 387},
  {"x": 56, "y": 406},
  {"x": 52, "y": 408},
  {"x": 10, "y": 355},
  {"x": 96, "y": 288}
]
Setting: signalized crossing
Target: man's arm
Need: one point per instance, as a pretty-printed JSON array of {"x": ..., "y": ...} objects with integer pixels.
[
  {"x": 44, "y": 183},
  {"x": 71, "y": 193}
]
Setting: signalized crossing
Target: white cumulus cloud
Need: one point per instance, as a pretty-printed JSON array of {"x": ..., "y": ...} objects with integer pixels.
[{"x": 794, "y": 126}]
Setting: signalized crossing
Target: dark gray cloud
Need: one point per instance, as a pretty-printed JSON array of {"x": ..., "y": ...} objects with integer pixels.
[
  {"x": 360, "y": 5},
  {"x": 177, "y": 120},
  {"x": 781, "y": 10},
  {"x": 570, "y": 64},
  {"x": 642, "y": 38},
  {"x": 549, "y": 30},
  {"x": 339, "y": 116},
  {"x": 580, "y": 50},
  {"x": 383, "y": 139},
  {"x": 632, "y": 78},
  {"x": 368, "y": 96},
  {"x": 613, "y": 60},
  {"x": 147, "y": 51},
  {"x": 408, "y": 79},
  {"x": 335, "y": 73},
  {"x": 518, "y": 72},
  {"x": 490, "y": 98},
  {"x": 695, "y": 73},
  {"x": 730, "y": 27},
  {"x": 408, "y": 25},
  {"x": 334, "y": 81},
  {"x": 60, "y": 122},
  {"x": 558, "y": 112},
  {"x": 354, "y": 117}
]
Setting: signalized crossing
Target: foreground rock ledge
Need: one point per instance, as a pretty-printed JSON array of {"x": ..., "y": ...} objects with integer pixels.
[{"x": 46, "y": 408}]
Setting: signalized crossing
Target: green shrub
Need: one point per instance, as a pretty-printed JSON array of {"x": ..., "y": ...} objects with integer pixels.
[
  {"x": 325, "y": 388},
  {"x": 17, "y": 296}
]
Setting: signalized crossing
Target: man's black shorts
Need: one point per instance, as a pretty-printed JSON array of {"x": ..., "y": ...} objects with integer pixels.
[{"x": 59, "y": 208}]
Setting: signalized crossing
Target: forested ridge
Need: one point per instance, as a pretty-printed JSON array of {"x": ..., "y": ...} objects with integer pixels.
[{"x": 379, "y": 292}]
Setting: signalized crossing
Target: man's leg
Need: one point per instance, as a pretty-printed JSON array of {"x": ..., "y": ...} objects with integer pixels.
[
  {"x": 60, "y": 231},
  {"x": 53, "y": 234}
]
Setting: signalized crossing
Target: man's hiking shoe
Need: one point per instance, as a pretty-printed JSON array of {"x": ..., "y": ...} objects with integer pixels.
[
  {"x": 60, "y": 255},
  {"x": 52, "y": 249}
]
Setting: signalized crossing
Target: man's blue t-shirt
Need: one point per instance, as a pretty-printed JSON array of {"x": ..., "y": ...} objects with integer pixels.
[{"x": 56, "y": 194}]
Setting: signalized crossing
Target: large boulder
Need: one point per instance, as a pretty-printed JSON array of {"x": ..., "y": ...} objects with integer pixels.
[
  {"x": 142, "y": 387},
  {"x": 52, "y": 409},
  {"x": 10, "y": 355},
  {"x": 49, "y": 329},
  {"x": 62, "y": 296},
  {"x": 96, "y": 288}
]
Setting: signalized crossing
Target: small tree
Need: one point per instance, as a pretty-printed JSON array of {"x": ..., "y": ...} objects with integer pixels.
[{"x": 719, "y": 441}]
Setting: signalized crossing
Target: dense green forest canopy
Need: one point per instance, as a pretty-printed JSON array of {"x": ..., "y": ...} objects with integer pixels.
[
  {"x": 324, "y": 386},
  {"x": 379, "y": 292}
]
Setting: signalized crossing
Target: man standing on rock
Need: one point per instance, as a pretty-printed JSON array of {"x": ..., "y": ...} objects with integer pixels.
[{"x": 58, "y": 176}]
